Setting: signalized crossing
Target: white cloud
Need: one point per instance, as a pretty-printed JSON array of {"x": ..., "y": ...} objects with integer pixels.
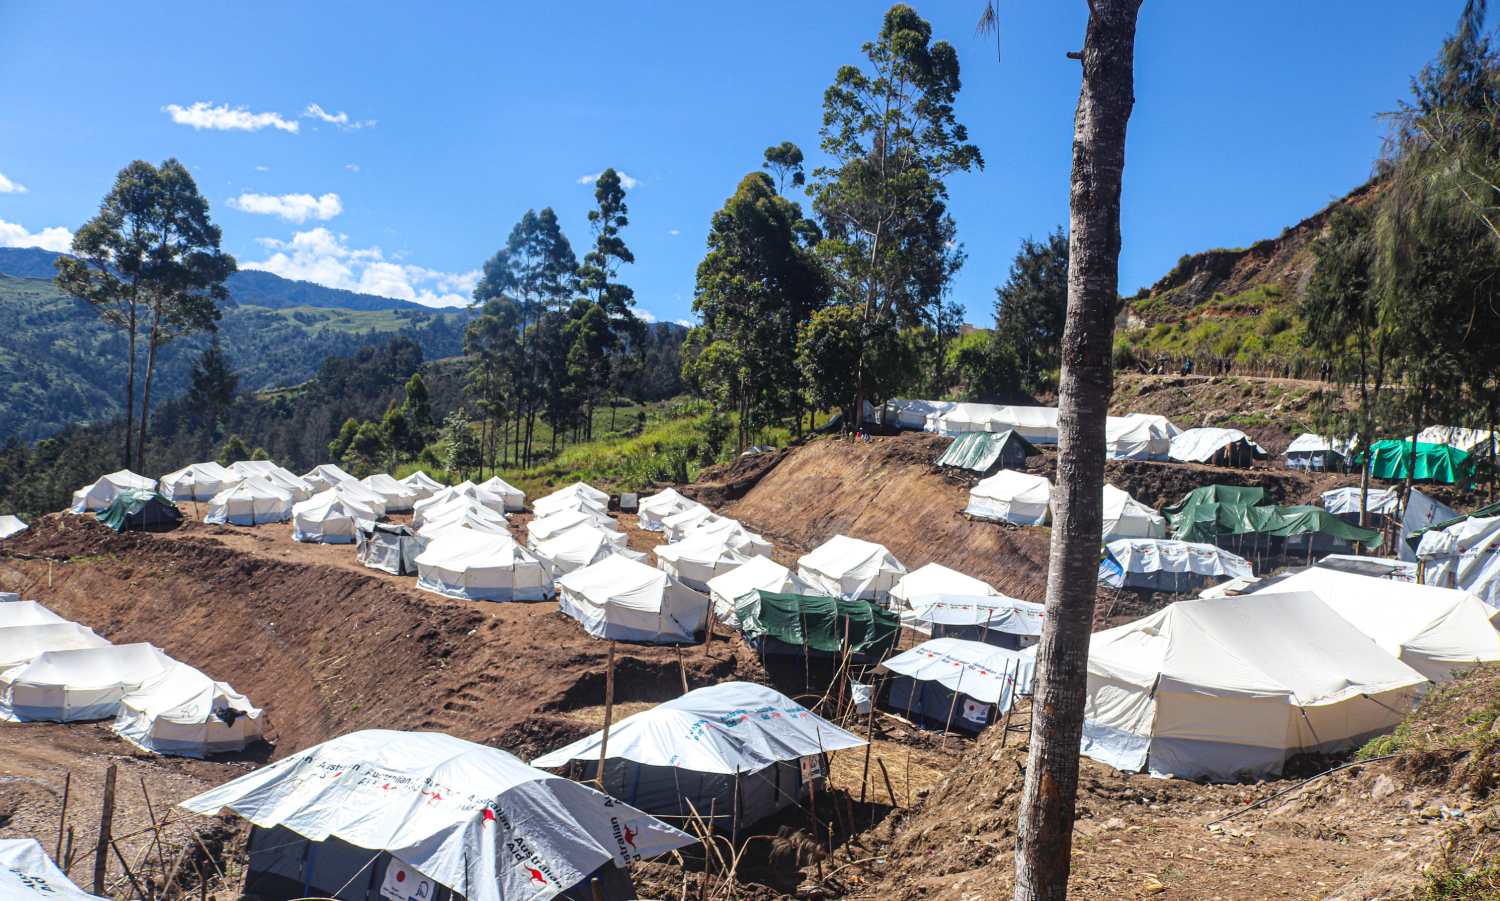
[
  {"x": 262, "y": 168},
  {"x": 322, "y": 257},
  {"x": 203, "y": 114},
  {"x": 685, "y": 323},
  {"x": 352, "y": 167},
  {"x": 10, "y": 187},
  {"x": 645, "y": 315},
  {"x": 674, "y": 232},
  {"x": 625, "y": 181},
  {"x": 56, "y": 238},
  {"x": 292, "y": 207},
  {"x": 341, "y": 119}
]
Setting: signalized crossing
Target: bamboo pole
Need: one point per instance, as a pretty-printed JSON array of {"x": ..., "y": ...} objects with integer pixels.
[
  {"x": 681, "y": 668},
  {"x": 62, "y": 818},
  {"x": 864, "y": 778},
  {"x": 609, "y": 713},
  {"x": 106, "y": 823},
  {"x": 890, "y": 789}
]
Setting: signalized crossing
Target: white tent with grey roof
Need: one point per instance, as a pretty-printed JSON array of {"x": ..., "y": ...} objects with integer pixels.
[
  {"x": 653, "y": 509},
  {"x": 423, "y": 484},
  {"x": 851, "y": 568},
  {"x": 417, "y": 813},
  {"x": 624, "y": 599},
  {"x": 986, "y": 681},
  {"x": 284, "y": 479},
  {"x": 1227, "y": 689},
  {"x": 549, "y": 527},
  {"x": 736, "y": 747},
  {"x": 580, "y": 547},
  {"x": 996, "y": 620},
  {"x": 398, "y": 498},
  {"x": 1014, "y": 497},
  {"x": 438, "y": 498},
  {"x": 22, "y": 644},
  {"x": 699, "y": 557},
  {"x": 934, "y": 579},
  {"x": 759, "y": 573},
  {"x": 463, "y": 513},
  {"x": 572, "y": 497},
  {"x": 501, "y": 496},
  {"x": 329, "y": 517},
  {"x": 1126, "y": 517},
  {"x": 197, "y": 481},
  {"x": 252, "y": 501},
  {"x": 325, "y": 476},
  {"x": 463, "y": 563},
  {"x": 99, "y": 494},
  {"x": 183, "y": 713}
]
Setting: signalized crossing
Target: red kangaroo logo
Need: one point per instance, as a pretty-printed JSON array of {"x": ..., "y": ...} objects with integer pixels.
[
  {"x": 489, "y": 815},
  {"x": 536, "y": 875},
  {"x": 630, "y": 835}
]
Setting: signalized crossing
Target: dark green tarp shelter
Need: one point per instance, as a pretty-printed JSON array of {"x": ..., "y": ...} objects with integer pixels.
[
  {"x": 983, "y": 451},
  {"x": 1390, "y": 459},
  {"x": 145, "y": 511},
  {"x": 1214, "y": 512},
  {"x": 819, "y": 623}
]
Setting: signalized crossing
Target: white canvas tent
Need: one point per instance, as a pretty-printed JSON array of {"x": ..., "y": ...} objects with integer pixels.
[
  {"x": 913, "y": 414},
  {"x": 97, "y": 496},
  {"x": 570, "y": 498},
  {"x": 28, "y": 874},
  {"x": 253, "y": 501},
  {"x": 1318, "y": 452},
  {"x": 398, "y": 498},
  {"x": 1013, "y": 497},
  {"x": 427, "y": 806},
  {"x": 22, "y": 644},
  {"x": 580, "y": 547},
  {"x": 11, "y": 525},
  {"x": 423, "y": 484},
  {"x": 1126, "y": 517},
  {"x": 1345, "y": 501},
  {"x": 1174, "y": 567},
  {"x": 1209, "y": 444},
  {"x": 1438, "y": 632},
  {"x": 1465, "y": 555},
  {"x": 732, "y": 531},
  {"x": 1227, "y": 689},
  {"x": 463, "y": 513},
  {"x": 851, "y": 568},
  {"x": 357, "y": 491},
  {"x": 183, "y": 713},
  {"x": 1479, "y": 442},
  {"x": 501, "y": 496},
  {"x": 700, "y": 557},
  {"x": 652, "y": 510},
  {"x": 759, "y": 573},
  {"x": 462, "y": 563},
  {"x": 1137, "y": 437},
  {"x": 678, "y": 525},
  {"x": 282, "y": 478},
  {"x": 86, "y": 684},
  {"x": 442, "y": 496},
  {"x": 1419, "y": 512},
  {"x": 706, "y": 747},
  {"x": 197, "y": 482},
  {"x": 625, "y": 599},
  {"x": 992, "y": 619},
  {"x": 1161, "y": 423},
  {"x": 1036, "y": 424},
  {"x": 549, "y": 527},
  {"x": 935, "y": 579},
  {"x": 956, "y": 419},
  {"x": 328, "y": 517},
  {"x": 985, "y": 678},
  {"x": 25, "y": 613},
  {"x": 325, "y": 476}
]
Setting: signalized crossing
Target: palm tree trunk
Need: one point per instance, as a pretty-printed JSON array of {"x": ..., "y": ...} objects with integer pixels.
[{"x": 1045, "y": 833}]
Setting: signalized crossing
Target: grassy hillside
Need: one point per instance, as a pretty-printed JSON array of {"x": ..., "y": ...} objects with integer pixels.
[{"x": 60, "y": 365}]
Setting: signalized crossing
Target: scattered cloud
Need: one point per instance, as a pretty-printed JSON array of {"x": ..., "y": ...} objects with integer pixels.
[
  {"x": 685, "y": 323},
  {"x": 352, "y": 167},
  {"x": 262, "y": 168},
  {"x": 292, "y": 207},
  {"x": 340, "y": 119},
  {"x": 645, "y": 315},
  {"x": 204, "y": 114},
  {"x": 10, "y": 187},
  {"x": 56, "y": 238},
  {"x": 325, "y": 258},
  {"x": 625, "y": 180},
  {"x": 674, "y": 232}
]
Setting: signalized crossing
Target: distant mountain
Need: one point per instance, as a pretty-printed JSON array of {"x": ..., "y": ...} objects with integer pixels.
[
  {"x": 248, "y": 286},
  {"x": 61, "y": 365}
]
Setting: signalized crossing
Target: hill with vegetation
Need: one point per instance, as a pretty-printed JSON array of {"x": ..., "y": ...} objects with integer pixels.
[
  {"x": 61, "y": 365},
  {"x": 1233, "y": 308}
]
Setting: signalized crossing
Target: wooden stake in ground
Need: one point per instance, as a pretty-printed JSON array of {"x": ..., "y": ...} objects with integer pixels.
[
  {"x": 681, "y": 667},
  {"x": 1044, "y": 839},
  {"x": 62, "y": 817},
  {"x": 864, "y": 778},
  {"x": 609, "y": 713},
  {"x": 106, "y": 824}
]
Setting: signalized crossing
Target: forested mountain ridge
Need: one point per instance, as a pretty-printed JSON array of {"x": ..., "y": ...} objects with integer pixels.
[{"x": 61, "y": 365}]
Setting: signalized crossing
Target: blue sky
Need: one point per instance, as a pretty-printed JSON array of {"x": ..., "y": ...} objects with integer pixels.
[{"x": 455, "y": 118}]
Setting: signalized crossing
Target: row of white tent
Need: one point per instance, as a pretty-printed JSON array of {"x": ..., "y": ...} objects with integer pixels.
[
  {"x": 1024, "y": 499},
  {"x": 55, "y": 670}
]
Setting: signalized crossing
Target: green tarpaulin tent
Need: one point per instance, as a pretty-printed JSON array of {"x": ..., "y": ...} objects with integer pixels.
[
  {"x": 819, "y": 622},
  {"x": 983, "y": 451},
  {"x": 140, "y": 510},
  {"x": 1213, "y": 511},
  {"x": 1389, "y": 460}
]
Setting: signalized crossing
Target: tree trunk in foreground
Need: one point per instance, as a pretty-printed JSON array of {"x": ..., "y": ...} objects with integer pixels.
[{"x": 1045, "y": 835}]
